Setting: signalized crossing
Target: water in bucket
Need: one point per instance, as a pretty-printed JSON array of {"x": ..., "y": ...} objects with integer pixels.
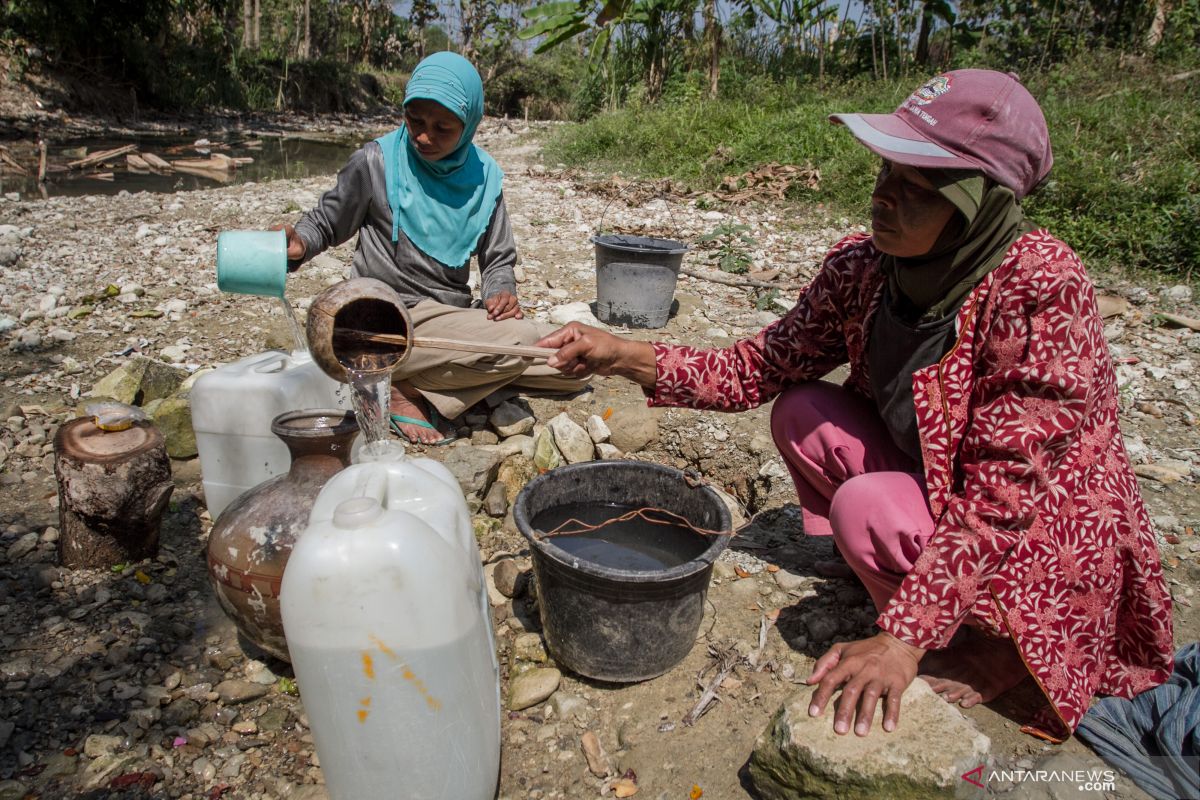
[{"x": 633, "y": 544}]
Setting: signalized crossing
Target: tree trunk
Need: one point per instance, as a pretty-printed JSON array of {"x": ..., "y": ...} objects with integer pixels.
[
  {"x": 247, "y": 23},
  {"x": 113, "y": 487},
  {"x": 1158, "y": 24},
  {"x": 922, "y": 55},
  {"x": 712, "y": 35},
  {"x": 306, "y": 40},
  {"x": 257, "y": 24}
]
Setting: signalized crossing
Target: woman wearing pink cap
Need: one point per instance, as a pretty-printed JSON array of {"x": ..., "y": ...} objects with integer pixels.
[{"x": 970, "y": 469}]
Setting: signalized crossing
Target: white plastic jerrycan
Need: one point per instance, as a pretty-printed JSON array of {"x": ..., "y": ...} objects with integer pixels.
[
  {"x": 232, "y": 410},
  {"x": 387, "y": 623}
]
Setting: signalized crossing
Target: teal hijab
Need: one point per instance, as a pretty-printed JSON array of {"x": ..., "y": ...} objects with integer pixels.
[{"x": 443, "y": 206}]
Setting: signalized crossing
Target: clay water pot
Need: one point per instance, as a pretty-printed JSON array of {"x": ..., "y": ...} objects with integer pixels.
[
  {"x": 363, "y": 304},
  {"x": 252, "y": 539}
]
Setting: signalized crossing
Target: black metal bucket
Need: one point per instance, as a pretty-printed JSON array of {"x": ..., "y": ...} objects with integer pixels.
[
  {"x": 613, "y": 624},
  {"x": 635, "y": 279}
]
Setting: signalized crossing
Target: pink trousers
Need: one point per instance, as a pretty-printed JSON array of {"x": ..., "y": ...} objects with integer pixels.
[{"x": 853, "y": 482}]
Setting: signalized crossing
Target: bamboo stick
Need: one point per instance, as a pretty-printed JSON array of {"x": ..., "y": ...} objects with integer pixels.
[{"x": 438, "y": 343}]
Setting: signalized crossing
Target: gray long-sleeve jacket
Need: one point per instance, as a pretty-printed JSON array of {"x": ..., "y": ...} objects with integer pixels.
[{"x": 358, "y": 204}]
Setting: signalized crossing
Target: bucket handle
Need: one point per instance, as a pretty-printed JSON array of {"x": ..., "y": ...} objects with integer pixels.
[{"x": 621, "y": 194}]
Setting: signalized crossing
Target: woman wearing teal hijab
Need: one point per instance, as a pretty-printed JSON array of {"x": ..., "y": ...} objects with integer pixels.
[{"x": 423, "y": 199}]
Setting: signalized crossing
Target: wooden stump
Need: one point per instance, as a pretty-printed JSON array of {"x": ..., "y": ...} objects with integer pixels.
[{"x": 112, "y": 489}]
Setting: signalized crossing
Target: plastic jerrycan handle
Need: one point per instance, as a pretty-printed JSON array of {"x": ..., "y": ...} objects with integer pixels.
[{"x": 357, "y": 512}]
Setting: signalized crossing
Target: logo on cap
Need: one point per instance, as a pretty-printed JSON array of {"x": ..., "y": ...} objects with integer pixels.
[{"x": 932, "y": 90}]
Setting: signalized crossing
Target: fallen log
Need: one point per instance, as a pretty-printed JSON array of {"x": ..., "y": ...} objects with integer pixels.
[
  {"x": 135, "y": 162},
  {"x": 714, "y": 278},
  {"x": 96, "y": 158},
  {"x": 113, "y": 487},
  {"x": 223, "y": 163},
  {"x": 156, "y": 162},
  {"x": 219, "y": 174},
  {"x": 10, "y": 161}
]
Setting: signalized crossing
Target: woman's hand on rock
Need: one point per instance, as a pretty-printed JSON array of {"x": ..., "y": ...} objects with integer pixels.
[
  {"x": 584, "y": 350},
  {"x": 295, "y": 245},
  {"x": 503, "y": 305},
  {"x": 866, "y": 671}
]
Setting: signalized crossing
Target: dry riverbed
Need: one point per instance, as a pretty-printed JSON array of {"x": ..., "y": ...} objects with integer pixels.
[{"x": 130, "y": 682}]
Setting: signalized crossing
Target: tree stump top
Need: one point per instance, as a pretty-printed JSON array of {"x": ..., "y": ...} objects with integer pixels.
[{"x": 82, "y": 439}]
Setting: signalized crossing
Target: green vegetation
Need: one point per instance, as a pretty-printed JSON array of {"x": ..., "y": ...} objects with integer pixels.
[
  {"x": 691, "y": 89},
  {"x": 1125, "y": 190}
]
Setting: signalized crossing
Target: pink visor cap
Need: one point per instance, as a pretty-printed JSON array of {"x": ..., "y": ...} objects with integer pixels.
[{"x": 967, "y": 119}]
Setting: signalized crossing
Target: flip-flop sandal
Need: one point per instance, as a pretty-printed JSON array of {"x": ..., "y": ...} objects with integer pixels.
[{"x": 399, "y": 419}]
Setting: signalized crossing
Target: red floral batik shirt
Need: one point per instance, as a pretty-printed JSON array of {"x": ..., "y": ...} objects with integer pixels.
[{"x": 1040, "y": 529}]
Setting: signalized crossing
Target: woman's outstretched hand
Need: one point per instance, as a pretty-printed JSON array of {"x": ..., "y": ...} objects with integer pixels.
[
  {"x": 296, "y": 247},
  {"x": 584, "y": 350},
  {"x": 866, "y": 671},
  {"x": 503, "y": 305}
]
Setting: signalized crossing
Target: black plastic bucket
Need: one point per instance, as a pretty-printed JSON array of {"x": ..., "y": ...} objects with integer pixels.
[
  {"x": 635, "y": 279},
  {"x": 612, "y": 624}
]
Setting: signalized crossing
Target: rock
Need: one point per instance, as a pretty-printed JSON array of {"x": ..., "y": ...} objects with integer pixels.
[
  {"x": 159, "y": 381},
  {"x": 516, "y": 445},
  {"x": 173, "y": 416},
  {"x": 575, "y": 312},
  {"x": 597, "y": 428},
  {"x": 495, "y": 598},
  {"x": 514, "y": 473},
  {"x": 22, "y": 547},
  {"x": 496, "y": 501},
  {"x": 507, "y": 577},
  {"x": 571, "y": 439},
  {"x": 597, "y": 759},
  {"x": 6, "y": 729},
  {"x": 568, "y": 706},
  {"x": 9, "y": 255},
  {"x": 512, "y": 418},
  {"x": 97, "y": 745},
  {"x": 1161, "y": 472},
  {"x": 607, "y": 451},
  {"x": 736, "y": 517},
  {"x": 546, "y": 455},
  {"x": 532, "y": 687},
  {"x": 59, "y": 765},
  {"x": 1111, "y": 305},
  {"x": 180, "y": 713},
  {"x": 473, "y": 468},
  {"x": 633, "y": 427},
  {"x": 12, "y": 790},
  {"x": 529, "y": 647},
  {"x": 799, "y": 756},
  {"x": 122, "y": 384},
  {"x": 484, "y": 438},
  {"x": 173, "y": 354},
  {"x": 232, "y": 692},
  {"x": 789, "y": 581}
]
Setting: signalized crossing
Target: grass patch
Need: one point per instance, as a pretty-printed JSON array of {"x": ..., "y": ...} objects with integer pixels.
[{"x": 1126, "y": 140}]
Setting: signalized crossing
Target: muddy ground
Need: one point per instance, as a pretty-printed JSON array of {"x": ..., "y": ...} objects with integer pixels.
[{"x": 130, "y": 682}]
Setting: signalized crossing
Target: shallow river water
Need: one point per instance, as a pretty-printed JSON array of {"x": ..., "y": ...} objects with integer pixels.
[{"x": 274, "y": 157}]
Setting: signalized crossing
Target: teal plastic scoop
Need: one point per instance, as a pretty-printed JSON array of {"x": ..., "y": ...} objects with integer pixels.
[{"x": 252, "y": 262}]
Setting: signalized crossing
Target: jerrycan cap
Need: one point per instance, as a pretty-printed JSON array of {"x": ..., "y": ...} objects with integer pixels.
[{"x": 357, "y": 512}]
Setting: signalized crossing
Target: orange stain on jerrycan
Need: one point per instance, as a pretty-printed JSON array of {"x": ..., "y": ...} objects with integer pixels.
[{"x": 368, "y": 666}]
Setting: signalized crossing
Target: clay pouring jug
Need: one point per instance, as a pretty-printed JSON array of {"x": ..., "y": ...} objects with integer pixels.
[
  {"x": 253, "y": 538},
  {"x": 366, "y": 305}
]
